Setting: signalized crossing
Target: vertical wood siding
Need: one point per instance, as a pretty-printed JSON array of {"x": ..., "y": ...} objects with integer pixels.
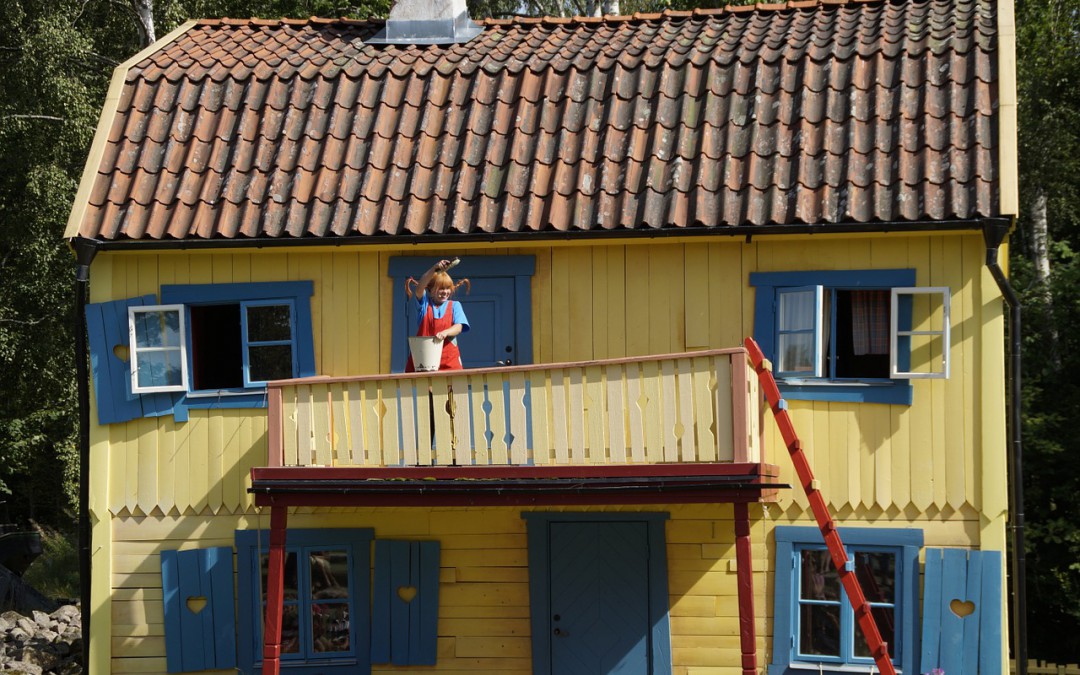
[{"x": 591, "y": 302}]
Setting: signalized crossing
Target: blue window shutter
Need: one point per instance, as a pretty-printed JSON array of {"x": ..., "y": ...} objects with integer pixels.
[
  {"x": 969, "y": 644},
  {"x": 405, "y": 629},
  {"x": 204, "y": 639},
  {"x": 107, "y": 328}
]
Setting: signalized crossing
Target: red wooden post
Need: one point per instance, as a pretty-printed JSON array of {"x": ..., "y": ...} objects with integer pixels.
[
  {"x": 275, "y": 592},
  {"x": 745, "y": 574}
]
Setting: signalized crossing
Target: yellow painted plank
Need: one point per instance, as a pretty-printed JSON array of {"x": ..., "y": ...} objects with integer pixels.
[
  {"x": 563, "y": 285},
  {"x": 320, "y": 421},
  {"x": 635, "y": 412},
  {"x": 478, "y": 421},
  {"x": 938, "y": 396},
  {"x": 727, "y": 327},
  {"x": 637, "y": 301},
  {"x": 600, "y": 298},
  {"x": 459, "y": 389},
  {"x": 198, "y": 425},
  {"x": 615, "y": 305},
  {"x": 518, "y": 415},
  {"x": 231, "y": 479},
  {"x": 138, "y": 646},
  {"x": 838, "y": 456},
  {"x": 137, "y": 665},
  {"x": 654, "y": 438},
  {"x": 540, "y": 396},
  {"x": 703, "y": 381},
  {"x": 658, "y": 297},
  {"x": 541, "y": 286},
  {"x": 496, "y": 420},
  {"x": 579, "y": 308},
  {"x": 684, "y": 428},
  {"x": 595, "y": 414},
  {"x": 575, "y": 415},
  {"x": 699, "y": 295},
  {"x": 616, "y": 408},
  {"x": 440, "y": 395},
  {"x": 498, "y": 646}
]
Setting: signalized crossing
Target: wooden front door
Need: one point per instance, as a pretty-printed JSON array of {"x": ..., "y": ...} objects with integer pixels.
[{"x": 599, "y": 589}]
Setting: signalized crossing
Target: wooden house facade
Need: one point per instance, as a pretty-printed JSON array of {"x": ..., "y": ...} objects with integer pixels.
[{"x": 602, "y": 488}]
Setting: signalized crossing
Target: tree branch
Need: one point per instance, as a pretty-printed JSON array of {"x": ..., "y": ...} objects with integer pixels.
[{"x": 47, "y": 118}]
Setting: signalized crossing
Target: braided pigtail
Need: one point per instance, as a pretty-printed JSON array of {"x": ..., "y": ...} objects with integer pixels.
[
  {"x": 410, "y": 285},
  {"x": 465, "y": 283}
]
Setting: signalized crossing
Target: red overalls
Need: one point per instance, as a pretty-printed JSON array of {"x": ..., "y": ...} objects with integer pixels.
[{"x": 429, "y": 326}]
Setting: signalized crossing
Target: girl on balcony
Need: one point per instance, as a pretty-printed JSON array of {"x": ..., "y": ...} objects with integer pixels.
[{"x": 438, "y": 315}]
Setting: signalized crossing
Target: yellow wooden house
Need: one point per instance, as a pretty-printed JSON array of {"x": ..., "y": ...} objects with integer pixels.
[{"x": 602, "y": 488}]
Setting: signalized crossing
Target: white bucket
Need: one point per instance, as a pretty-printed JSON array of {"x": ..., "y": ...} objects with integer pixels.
[{"x": 426, "y": 353}]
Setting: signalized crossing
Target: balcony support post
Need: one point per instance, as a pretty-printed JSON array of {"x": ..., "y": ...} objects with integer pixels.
[
  {"x": 275, "y": 591},
  {"x": 745, "y": 574}
]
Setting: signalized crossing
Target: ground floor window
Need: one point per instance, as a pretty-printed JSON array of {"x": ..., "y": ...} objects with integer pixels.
[
  {"x": 815, "y": 625},
  {"x": 325, "y": 603}
]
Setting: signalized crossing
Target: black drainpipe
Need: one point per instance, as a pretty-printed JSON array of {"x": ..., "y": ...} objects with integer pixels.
[
  {"x": 994, "y": 233},
  {"x": 85, "y": 250}
]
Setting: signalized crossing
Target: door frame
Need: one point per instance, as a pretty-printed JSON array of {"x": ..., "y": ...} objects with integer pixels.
[
  {"x": 538, "y": 528},
  {"x": 520, "y": 268}
]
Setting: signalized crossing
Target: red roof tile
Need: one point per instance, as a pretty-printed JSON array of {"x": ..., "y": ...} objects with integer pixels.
[{"x": 800, "y": 113}]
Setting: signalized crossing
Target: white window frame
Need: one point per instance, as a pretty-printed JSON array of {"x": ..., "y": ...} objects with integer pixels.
[
  {"x": 135, "y": 350},
  {"x": 818, "y": 331},
  {"x": 895, "y": 333}
]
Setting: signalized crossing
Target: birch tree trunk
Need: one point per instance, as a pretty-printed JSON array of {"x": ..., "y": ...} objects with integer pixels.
[
  {"x": 1040, "y": 248},
  {"x": 144, "y": 16}
]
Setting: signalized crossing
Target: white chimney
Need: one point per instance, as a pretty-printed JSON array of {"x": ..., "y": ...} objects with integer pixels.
[{"x": 427, "y": 22}]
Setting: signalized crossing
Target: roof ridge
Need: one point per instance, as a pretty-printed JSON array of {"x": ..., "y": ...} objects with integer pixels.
[{"x": 557, "y": 20}]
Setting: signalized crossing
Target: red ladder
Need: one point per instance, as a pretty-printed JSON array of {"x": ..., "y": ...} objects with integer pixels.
[{"x": 878, "y": 648}]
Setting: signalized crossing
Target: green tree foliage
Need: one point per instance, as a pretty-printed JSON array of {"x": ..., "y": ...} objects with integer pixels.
[{"x": 1048, "y": 34}]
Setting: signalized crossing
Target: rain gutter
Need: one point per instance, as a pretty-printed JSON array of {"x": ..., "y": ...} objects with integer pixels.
[
  {"x": 747, "y": 231},
  {"x": 994, "y": 232},
  {"x": 85, "y": 250}
]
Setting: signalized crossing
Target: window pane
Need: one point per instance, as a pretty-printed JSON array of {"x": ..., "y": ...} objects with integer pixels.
[
  {"x": 819, "y": 579},
  {"x": 329, "y": 574},
  {"x": 797, "y": 352},
  {"x": 269, "y": 323},
  {"x": 157, "y": 329},
  {"x": 884, "y": 618},
  {"x": 160, "y": 368},
  {"x": 797, "y": 310},
  {"x": 291, "y": 592},
  {"x": 876, "y": 572},
  {"x": 819, "y": 630},
  {"x": 330, "y": 627},
  {"x": 271, "y": 362}
]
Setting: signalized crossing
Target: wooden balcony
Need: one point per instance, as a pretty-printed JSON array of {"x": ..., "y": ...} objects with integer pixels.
[{"x": 692, "y": 408}]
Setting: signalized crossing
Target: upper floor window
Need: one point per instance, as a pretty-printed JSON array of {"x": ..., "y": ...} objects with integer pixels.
[
  {"x": 198, "y": 346},
  {"x": 851, "y": 335}
]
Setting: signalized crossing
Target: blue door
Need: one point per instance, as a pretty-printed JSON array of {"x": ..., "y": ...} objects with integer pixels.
[
  {"x": 498, "y": 307},
  {"x": 491, "y": 339},
  {"x": 599, "y": 590}
]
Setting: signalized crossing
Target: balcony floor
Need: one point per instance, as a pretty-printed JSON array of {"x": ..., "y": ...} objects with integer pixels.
[{"x": 516, "y": 485}]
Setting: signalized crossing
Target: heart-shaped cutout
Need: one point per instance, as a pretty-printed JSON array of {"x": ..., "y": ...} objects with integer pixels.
[
  {"x": 196, "y": 603},
  {"x": 962, "y": 608},
  {"x": 406, "y": 593}
]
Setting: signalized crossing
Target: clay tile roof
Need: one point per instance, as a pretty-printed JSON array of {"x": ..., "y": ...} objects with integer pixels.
[{"x": 811, "y": 112}]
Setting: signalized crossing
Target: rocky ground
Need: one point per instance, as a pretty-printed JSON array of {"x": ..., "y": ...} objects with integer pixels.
[{"x": 42, "y": 644}]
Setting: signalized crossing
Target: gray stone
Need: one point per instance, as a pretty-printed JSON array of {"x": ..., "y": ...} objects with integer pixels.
[
  {"x": 23, "y": 668},
  {"x": 27, "y": 625},
  {"x": 6, "y": 624},
  {"x": 42, "y": 619},
  {"x": 18, "y": 634},
  {"x": 67, "y": 614},
  {"x": 42, "y": 654}
]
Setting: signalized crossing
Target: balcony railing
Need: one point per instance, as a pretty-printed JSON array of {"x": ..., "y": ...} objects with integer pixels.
[{"x": 691, "y": 407}]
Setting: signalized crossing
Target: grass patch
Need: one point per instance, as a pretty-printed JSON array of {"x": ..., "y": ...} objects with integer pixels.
[{"x": 56, "y": 572}]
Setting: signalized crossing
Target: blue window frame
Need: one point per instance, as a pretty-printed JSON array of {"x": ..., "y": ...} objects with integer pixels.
[
  {"x": 325, "y": 627},
  {"x": 198, "y": 346},
  {"x": 815, "y": 627},
  {"x": 827, "y": 333}
]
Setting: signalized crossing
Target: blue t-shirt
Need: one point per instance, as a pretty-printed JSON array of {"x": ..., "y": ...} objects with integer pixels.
[{"x": 440, "y": 312}]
